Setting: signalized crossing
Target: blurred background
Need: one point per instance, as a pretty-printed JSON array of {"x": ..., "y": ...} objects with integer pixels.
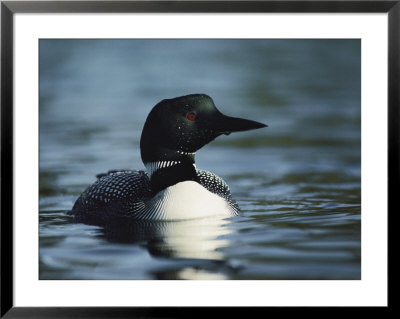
[{"x": 298, "y": 181}]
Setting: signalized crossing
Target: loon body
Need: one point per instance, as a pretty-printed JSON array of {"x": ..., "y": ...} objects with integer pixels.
[{"x": 171, "y": 188}]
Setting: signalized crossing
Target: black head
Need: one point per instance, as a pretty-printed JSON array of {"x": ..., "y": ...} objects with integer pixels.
[{"x": 183, "y": 125}]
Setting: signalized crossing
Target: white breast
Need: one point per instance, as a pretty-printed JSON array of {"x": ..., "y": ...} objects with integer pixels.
[{"x": 186, "y": 200}]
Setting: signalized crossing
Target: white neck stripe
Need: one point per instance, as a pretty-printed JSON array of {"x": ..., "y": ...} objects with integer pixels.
[{"x": 152, "y": 167}]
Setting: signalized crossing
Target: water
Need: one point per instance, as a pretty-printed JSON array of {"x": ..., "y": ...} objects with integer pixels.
[{"x": 298, "y": 182}]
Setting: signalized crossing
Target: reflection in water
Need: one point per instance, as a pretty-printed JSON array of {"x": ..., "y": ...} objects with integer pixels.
[
  {"x": 189, "y": 249},
  {"x": 195, "y": 238}
]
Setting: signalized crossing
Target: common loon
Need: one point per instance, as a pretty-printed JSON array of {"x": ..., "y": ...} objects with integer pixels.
[{"x": 172, "y": 188}]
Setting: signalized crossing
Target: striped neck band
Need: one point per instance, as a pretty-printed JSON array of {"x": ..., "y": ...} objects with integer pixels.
[{"x": 152, "y": 167}]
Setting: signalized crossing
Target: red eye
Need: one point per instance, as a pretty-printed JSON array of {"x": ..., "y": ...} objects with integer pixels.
[{"x": 191, "y": 116}]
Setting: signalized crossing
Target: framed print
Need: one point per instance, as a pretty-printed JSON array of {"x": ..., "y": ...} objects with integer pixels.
[{"x": 164, "y": 155}]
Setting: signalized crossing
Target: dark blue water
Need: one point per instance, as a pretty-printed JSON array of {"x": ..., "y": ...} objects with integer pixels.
[{"x": 298, "y": 181}]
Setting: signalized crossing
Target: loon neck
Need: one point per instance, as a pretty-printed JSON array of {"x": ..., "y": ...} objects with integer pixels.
[
  {"x": 169, "y": 161},
  {"x": 169, "y": 171}
]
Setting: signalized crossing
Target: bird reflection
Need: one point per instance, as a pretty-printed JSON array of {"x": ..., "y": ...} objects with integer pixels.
[{"x": 196, "y": 238}]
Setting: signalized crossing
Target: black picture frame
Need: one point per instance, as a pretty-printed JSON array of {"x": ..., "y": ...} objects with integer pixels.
[{"x": 9, "y": 8}]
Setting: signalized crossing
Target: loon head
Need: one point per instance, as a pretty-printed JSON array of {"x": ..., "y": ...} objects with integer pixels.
[{"x": 176, "y": 128}]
